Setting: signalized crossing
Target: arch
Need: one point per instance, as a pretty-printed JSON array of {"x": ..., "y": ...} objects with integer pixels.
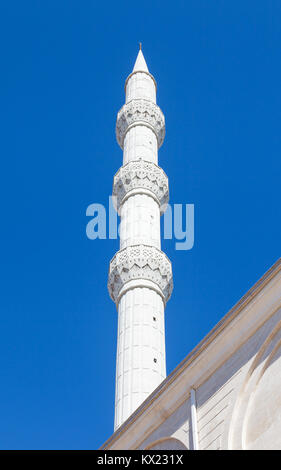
[
  {"x": 167, "y": 443},
  {"x": 252, "y": 415}
]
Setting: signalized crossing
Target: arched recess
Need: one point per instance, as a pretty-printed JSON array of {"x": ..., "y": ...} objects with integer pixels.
[
  {"x": 166, "y": 443},
  {"x": 256, "y": 418}
]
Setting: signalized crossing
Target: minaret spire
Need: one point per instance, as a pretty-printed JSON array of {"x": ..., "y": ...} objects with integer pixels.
[
  {"x": 140, "y": 274},
  {"x": 140, "y": 64}
]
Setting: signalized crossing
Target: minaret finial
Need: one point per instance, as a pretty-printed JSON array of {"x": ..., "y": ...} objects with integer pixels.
[{"x": 140, "y": 64}]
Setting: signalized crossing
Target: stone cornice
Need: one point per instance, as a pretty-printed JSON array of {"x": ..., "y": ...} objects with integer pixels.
[
  {"x": 140, "y": 262},
  {"x": 143, "y": 175},
  {"x": 140, "y": 111}
]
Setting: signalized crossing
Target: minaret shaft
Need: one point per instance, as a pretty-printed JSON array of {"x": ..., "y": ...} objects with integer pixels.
[
  {"x": 140, "y": 341},
  {"x": 140, "y": 276},
  {"x": 140, "y": 141},
  {"x": 140, "y": 221}
]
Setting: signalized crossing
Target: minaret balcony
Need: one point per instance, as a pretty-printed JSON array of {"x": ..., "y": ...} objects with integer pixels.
[
  {"x": 142, "y": 112},
  {"x": 140, "y": 176},
  {"x": 147, "y": 265}
]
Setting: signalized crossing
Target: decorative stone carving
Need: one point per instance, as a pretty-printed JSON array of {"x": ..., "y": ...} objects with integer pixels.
[
  {"x": 140, "y": 262},
  {"x": 141, "y": 174},
  {"x": 140, "y": 111}
]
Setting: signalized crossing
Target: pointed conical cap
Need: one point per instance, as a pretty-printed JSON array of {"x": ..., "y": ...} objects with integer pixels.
[{"x": 140, "y": 64}]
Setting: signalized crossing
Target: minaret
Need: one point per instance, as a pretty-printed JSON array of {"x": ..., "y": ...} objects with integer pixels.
[{"x": 140, "y": 274}]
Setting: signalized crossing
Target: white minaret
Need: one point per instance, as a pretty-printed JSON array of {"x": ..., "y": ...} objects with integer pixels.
[{"x": 140, "y": 274}]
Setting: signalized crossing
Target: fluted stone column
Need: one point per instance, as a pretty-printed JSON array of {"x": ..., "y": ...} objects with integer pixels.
[{"x": 140, "y": 274}]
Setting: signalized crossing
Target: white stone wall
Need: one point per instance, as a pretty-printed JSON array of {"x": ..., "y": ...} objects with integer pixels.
[
  {"x": 176, "y": 426},
  {"x": 236, "y": 374},
  {"x": 239, "y": 406}
]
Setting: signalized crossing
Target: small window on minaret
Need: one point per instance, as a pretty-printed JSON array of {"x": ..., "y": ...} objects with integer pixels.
[
  {"x": 154, "y": 318},
  {"x": 155, "y": 360}
]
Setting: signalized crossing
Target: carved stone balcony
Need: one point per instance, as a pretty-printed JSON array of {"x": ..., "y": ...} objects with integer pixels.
[
  {"x": 140, "y": 262},
  {"x": 141, "y": 175},
  {"x": 143, "y": 112}
]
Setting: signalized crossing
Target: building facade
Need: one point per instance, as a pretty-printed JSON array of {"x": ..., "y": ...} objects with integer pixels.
[{"x": 226, "y": 394}]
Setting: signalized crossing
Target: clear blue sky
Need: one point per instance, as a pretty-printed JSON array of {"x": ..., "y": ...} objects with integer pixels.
[{"x": 63, "y": 67}]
